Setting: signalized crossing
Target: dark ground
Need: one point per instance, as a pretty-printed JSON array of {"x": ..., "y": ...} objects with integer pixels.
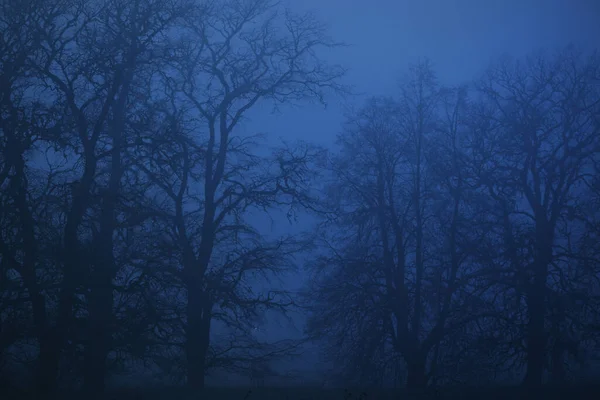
[{"x": 580, "y": 392}]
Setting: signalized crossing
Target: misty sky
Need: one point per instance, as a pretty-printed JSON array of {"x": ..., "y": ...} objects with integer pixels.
[{"x": 460, "y": 37}]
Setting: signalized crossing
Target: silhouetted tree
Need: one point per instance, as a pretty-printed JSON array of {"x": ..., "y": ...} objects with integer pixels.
[
  {"x": 460, "y": 230},
  {"x": 457, "y": 222},
  {"x": 538, "y": 145},
  {"x": 395, "y": 279},
  {"x": 231, "y": 56},
  {"x": 100, "y": 72}
]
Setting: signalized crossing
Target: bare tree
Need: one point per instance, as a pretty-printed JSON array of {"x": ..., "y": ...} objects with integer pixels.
[
  {"x": 393, "y": 282},
  {"x": 106, "y": 71},
  {"x": 453, "y": 224},
  {"x": 536, "y": 151},
  {"x": 456, "y": 229},
  {"x": 23, "y": 121},
  {"x": 85, "y": 59},
  {"x": 232, "y": 55}
]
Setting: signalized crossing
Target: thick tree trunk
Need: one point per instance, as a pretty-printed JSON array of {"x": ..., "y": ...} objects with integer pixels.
[
  {"x": 197, "y": 340},
  {"x": 47, "y": 368},
  {"x": 49, "y": 352},
  {"x": 100, "y": 303},
  {"x": 100, "y": 317},
  {"x": 100, "y": 300},
  {"x": 416, "y": 379},
  {"x": 71, "y": 258},
  {"x": 51, "y": 346},
  {"x": 558, "y": 372},
  {"x": 536, "y": 341},
  {"x": 56, "y": 336},
  {"x": 560, "y": 346},
  {"x": 536, "y": 307}
]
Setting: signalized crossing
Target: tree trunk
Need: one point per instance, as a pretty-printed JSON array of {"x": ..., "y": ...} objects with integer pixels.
[
  {"x": 57, "y": 336},
  {"x": 197, "y": 336},
  {"x": 48, "y": 360},
  {"x": 100, "y": 304},
  {"x": 47, "y": 369},
  {"x": 417, "y": 378},
  {"x": 49, "y": 352},
  {"x": 536, "y": 342},
  {"x": 558, "y": 372},
  {"x": 100, "y": 297},
  {"x": 100, "y": 300},
  {"x": 561, "y": 344},
  {"x": 536, "y": 335},
  {"x": 71, "y": 257},
  {"x": 536, "y": 312}
]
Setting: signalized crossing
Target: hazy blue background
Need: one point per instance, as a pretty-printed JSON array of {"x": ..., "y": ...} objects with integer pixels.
[{"x": 461, "y": 37}]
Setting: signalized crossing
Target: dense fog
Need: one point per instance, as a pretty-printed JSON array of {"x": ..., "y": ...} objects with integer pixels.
[{"x": 303, "y": 194}]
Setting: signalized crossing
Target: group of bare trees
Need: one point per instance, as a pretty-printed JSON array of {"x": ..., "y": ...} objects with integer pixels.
[
  {"x": 125, "y": 190},
  {"x": 462, "y": 241},
  {"x": 460, "y": 232}
]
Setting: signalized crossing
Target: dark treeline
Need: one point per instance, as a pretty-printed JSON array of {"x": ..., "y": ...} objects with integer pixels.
[
  {"x": 463, "y": 244},
  {"x": 458, "y": 227}
]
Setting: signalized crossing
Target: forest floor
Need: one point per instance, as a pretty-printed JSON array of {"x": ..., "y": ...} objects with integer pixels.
[{"x": 581, "y": 392}]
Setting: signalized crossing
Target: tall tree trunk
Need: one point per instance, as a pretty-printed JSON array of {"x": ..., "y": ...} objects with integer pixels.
[
  {"x": 197, "y": 335},
  {"x": 199, "y": 305},
  {"x": 72, "y": 259},
  {"x": 47, "y": 368},
  {"x": 558, "y": 373},
  {"x": 417, "y": 377},
  {"x": 100, "y": 322},
  {"x": 100, "y": 299},
  {"x": 100, "y": 327},
  {"x": 536, "y": 305},
  {"x": 536, "y": 339},
  {"x": 46, "y": 371}
]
